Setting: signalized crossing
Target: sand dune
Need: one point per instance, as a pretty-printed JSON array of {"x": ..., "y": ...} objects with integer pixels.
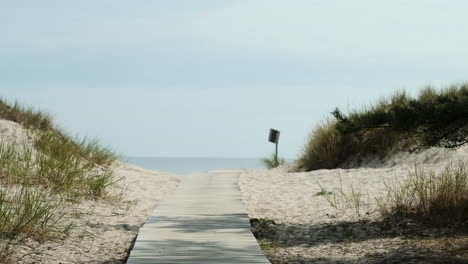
[{"x": 105, "y": 229}]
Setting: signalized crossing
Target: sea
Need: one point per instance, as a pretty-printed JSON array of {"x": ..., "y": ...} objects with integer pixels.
[{"x": 184, "y": 166}]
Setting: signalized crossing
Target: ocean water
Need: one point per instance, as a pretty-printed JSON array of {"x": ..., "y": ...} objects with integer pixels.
[{"x": 183, "y": 166}]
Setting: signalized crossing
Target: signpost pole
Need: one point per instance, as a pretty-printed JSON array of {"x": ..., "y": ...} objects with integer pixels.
[{"x": 276, "y": 153}]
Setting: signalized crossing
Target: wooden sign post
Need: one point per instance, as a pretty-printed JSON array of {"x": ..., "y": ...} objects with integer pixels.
[{"x": 274, "y": 138}]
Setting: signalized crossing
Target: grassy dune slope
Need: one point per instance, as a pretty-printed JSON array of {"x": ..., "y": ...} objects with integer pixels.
[
  {"x": 398, "y": 123},
  {"x": 43, "y": 175}
]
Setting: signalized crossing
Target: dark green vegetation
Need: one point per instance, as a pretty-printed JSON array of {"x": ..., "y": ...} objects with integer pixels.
[
  {"x": 399, "y": 123},
  {"x": 41, "y": 179}
]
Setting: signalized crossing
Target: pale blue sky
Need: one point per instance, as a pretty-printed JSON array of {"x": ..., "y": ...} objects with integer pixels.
[{"x": 209, "y": 78}]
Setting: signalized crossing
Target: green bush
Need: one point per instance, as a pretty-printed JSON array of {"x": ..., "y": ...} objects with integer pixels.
[{"x": 401, "y": 122}]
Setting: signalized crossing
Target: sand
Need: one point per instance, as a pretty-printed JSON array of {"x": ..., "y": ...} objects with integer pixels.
[
  {"x": 309, "y": 229},
  {"x": 13, "y": 133}
]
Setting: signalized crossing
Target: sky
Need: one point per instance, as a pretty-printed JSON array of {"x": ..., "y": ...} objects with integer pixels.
[{"x": 203, "y": 78}]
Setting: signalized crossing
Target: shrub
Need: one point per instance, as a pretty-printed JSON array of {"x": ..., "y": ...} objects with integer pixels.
[{"x": 433, "y": 118}]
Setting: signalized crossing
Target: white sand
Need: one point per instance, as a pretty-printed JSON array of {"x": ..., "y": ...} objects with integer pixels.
[
  {"x": 310, "y": 230},
  {"x": 11, "y": 133}
]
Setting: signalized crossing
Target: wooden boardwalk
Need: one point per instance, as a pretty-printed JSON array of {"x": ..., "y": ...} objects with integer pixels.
[{"x": 203, "y": 221}]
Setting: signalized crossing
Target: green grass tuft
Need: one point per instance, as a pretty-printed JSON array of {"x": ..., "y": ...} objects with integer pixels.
[
  {"x": 27, "y": 212},
  {"x": 273, "y": 161},
  {"x": 323, "y": 192}
]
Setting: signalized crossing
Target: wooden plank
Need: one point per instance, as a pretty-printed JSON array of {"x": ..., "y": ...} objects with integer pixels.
[{"x": 203, "y": 221}]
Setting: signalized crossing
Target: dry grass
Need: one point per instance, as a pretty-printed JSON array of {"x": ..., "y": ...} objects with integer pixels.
[
  {"x": 428, "y": 196},
  {"x": 322, "y": 150},
  {"x": 347, "y": 196}
]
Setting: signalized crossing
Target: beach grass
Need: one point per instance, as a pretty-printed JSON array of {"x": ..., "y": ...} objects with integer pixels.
[
  {"x": 50, "y": 140},
  {"x": 28, "y": 212},
  {"x": 429, "y": 196},
  {"x": 273, "y": 161},
  {"x": 323, "y": 149},
  {"x": 41, "y": 179},
  {"x": 347, "y": 196},
  {"x": 59, "y": 146},
  {"x": 398, "y": 123},
  {"x": 27, "y": 117},
  {"x": 65, "y": 174}
]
